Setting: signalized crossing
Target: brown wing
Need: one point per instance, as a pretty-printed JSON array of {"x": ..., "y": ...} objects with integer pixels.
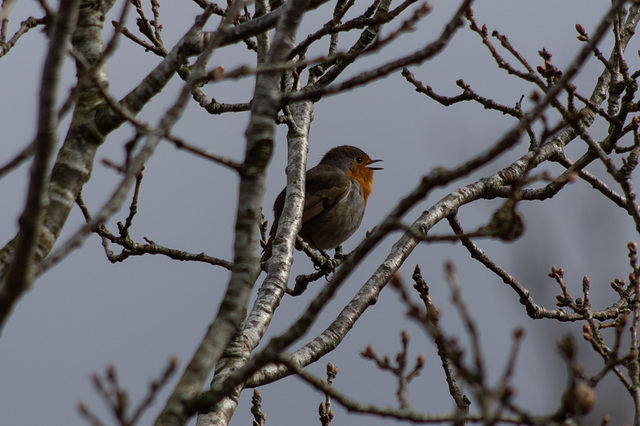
[{"x": 326, "y": 186}]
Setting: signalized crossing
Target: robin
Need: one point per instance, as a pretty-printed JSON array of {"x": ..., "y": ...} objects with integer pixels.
[{"x": 336, "y": 196}]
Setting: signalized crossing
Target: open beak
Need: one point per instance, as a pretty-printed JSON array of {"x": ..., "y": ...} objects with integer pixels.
[{"x": 374, "y": 168}]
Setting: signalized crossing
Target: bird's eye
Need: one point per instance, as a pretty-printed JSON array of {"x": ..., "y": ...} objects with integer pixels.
[{"x": 359, "y": 160}]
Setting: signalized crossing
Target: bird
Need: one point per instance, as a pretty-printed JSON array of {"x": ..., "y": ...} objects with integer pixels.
[{"x": 337, "y": 190}]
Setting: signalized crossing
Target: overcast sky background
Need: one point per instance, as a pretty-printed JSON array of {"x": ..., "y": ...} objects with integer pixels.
[{"x": 87, "y": 313}]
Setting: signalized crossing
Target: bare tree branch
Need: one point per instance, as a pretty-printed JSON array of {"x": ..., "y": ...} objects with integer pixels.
[{"x": 20, "y": 274}]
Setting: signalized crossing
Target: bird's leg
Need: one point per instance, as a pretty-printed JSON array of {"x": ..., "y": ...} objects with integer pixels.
[
  {"x": 338, "y": 254},
  {"x": 332, "y": 264},
  {"x": 319, "y": 260}
]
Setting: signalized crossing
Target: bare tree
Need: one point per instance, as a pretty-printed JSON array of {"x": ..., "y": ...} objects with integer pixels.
[{"x": 291, "y": 74}]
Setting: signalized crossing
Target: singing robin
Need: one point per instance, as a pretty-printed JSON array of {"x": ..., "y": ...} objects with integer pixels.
[{"x": 336, "y": 196}]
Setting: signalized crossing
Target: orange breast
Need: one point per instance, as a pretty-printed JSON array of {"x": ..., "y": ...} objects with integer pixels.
[{"x": 364, "y": 176}]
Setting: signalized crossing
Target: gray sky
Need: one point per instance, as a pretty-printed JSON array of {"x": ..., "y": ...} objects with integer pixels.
[{"x": 87, "y": 313}]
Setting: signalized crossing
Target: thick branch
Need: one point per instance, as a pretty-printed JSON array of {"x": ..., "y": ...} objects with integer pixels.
[{"x": 20, "y": 273}]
